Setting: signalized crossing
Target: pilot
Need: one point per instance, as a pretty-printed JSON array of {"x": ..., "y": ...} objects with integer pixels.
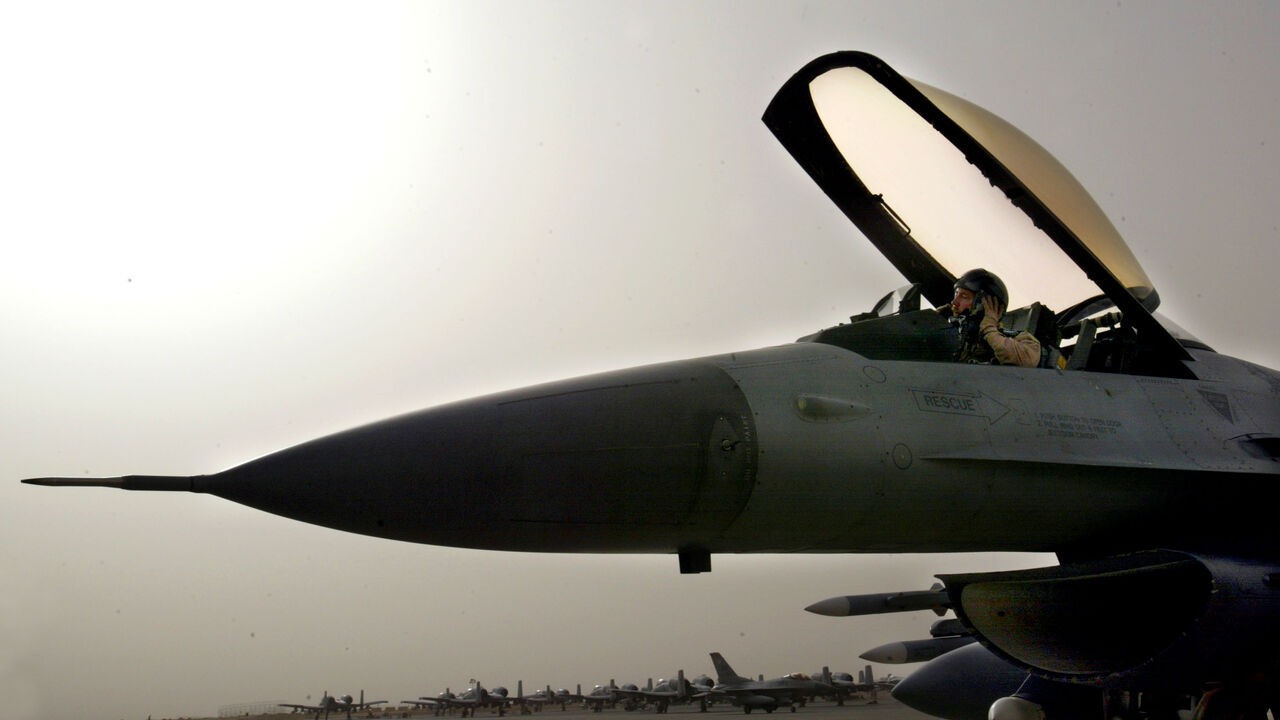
[{"x": 977, "y": 306}]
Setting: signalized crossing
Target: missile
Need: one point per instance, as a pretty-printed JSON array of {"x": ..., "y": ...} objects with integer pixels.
[
  {"x": 914, "y": 651},
  {"x": 878, "y": 603}
]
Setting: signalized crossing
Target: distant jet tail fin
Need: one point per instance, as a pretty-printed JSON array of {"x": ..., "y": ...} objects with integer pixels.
[{"x": 724, "y": 673}]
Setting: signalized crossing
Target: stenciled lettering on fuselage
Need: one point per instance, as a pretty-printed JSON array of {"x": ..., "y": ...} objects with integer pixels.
[
  {"x": 952, "y": 403},
  {"x": 1076, "y": 427}
]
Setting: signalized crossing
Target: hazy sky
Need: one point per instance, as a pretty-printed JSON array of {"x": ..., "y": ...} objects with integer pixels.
[{"x": 232, "y": 227}]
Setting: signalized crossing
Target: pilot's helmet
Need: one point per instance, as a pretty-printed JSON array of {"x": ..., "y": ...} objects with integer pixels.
[{"x": 984, "y": 283}]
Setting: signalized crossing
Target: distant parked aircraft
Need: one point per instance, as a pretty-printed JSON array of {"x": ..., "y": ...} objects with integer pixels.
[{"x": 329, "y": 703}]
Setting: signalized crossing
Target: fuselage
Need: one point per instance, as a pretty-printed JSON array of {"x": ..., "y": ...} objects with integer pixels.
[{"x": 805, "y": 447}]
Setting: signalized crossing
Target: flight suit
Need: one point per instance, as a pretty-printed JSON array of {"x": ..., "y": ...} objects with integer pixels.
[{"x": 992, "y": 344}]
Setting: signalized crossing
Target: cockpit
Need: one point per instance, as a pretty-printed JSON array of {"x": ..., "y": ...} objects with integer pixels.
[
  {"x": 940, "y": 186},
  {"x": 1089, "y": 336}
]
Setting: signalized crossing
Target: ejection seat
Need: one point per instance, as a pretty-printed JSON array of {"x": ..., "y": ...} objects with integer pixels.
[{"x": 1042, "y": 323}]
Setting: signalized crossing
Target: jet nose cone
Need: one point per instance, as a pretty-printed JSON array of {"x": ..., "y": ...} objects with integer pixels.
[{"x": 644, "y": 460}]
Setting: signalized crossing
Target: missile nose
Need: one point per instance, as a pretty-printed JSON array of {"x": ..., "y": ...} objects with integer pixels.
[
  {"x": 652, "y": 459},
  {"x": 894, "y": 653},
  {"x": 934, "y": 599},
  {"x": 831, "y": 607}
]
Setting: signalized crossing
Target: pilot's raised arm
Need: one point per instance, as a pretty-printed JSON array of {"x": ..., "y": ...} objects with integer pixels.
[
  {"x": 980, "y": 299},
  {"x": 1020, "y": 349}
]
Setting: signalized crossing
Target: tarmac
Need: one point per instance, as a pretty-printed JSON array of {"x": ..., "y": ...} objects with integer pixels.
[{"x": 886, "y": 708}]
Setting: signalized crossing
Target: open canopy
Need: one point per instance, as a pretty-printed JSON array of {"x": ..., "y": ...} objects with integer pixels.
[{"x": 940, "y": 186}]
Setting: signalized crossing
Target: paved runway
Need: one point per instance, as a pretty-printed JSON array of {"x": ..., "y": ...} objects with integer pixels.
[{"x": 886, "y": 709}]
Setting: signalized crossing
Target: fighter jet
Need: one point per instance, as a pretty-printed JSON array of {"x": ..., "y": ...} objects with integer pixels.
[
  {"x": 440, "y": 702},
  {"x": 790, "y": 690},
  {"x": 667, "y": 692},
  {"x": 842, "y": 684},
  {"x": 845, "y": 686},
  {"x": 476, "y": 698},
  {"x": 329, "y": 703},
  {"x": 540, "y": 698},
  {"x": 601, "y": 695},
  {"x": 1139, "y": 455}
]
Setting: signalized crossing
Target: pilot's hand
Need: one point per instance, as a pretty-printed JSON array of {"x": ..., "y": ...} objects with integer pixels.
[
  {"x": 990, "y": 317},
  {"x": 993, "y": 309}
]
